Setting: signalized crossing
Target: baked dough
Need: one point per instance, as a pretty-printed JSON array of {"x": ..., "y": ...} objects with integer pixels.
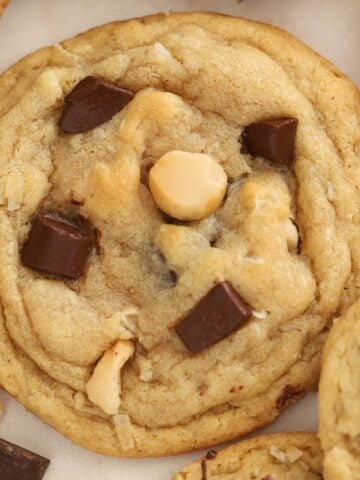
[
  {"x": 199, "y": 80},
  {"x": 280, "y": 456}
]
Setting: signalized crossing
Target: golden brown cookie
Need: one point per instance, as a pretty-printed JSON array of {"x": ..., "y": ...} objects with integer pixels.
[
  {"x": 280, "y": 456},
  {"x": 134, "y": 333},
  {"x": 339, "y": 398}
]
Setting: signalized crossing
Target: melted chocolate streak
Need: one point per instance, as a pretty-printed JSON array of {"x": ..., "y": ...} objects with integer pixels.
[{"x": 203, "y": 470}]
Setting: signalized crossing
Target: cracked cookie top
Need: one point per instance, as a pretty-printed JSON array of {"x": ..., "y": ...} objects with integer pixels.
[{"x": 185, "y": 315}]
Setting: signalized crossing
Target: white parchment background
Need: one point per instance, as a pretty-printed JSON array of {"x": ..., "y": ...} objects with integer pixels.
[{"x": 329, "y": 26}]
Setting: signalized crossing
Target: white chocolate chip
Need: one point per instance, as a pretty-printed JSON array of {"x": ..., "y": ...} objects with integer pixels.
[
  {"x": 124, "y": 431},
  {"x": 104, "y": 386},
  {"x": 260, "y": 315},
  {"x": 187, "y": 186},
  {"x": 291, "y": 233}
]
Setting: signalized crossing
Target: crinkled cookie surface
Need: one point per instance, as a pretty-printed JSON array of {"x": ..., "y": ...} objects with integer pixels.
[
  {"x": 282, "y": 456},
  {"x": 199, "y": 80},
  {"x": 339, "y": 393}
]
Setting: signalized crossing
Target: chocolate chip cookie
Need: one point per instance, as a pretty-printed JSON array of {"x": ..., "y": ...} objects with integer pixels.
[
  {"x": 179, "y": 224},
  {"x": 339, "y": 392},
  {"x": 281, "y": 456}
]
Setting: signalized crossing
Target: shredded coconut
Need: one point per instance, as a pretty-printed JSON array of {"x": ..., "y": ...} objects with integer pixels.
[
  {"x": 278, "y": 454},
  {"x": 253, "y": 259},
  {"x": 261, "y": 315},
  {"x": 146, "y": 371},
  {"x": 293, "y": 454},
  {"x": 330, "y": 192},
  {"x": 13, "y": 206},
  {"x": 124, "y": 431}
]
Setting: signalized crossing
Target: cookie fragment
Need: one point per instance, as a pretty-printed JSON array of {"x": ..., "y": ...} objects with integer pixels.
[
  {"x": 297, "y": 456},
  {"x": 92, "y": 102},
  {"x": 16, "y": 463},
  {"x": 272, "y": 139},
  {"x": 58, "y": 245},
  {"x": 217, "y": 315}
]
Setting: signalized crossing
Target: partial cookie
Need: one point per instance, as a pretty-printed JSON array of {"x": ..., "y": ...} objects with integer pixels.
[
  {"x": 281, "y": 456},
  {"x": 3, "y": 5},
  {"x": 339, "y": 398},
  {"x": 139, "y": 319}
]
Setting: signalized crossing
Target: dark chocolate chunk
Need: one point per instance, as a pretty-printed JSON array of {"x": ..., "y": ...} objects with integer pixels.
[
  {"x": 272, "y": 139},
  {"x": 217, "y": 315},
  {"x": 93, "y": 101},
  {"x": 17, "y": 463},
  {"x": 58, "y": 245},
  {"x": 211, "y": 454}
]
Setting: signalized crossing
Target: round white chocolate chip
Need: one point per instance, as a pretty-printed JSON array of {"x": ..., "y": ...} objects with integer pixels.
[
  {"x": 104, "y": 386},
  {"x": 291, "y": 232},
  {"x": 187, "y": 186}
]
